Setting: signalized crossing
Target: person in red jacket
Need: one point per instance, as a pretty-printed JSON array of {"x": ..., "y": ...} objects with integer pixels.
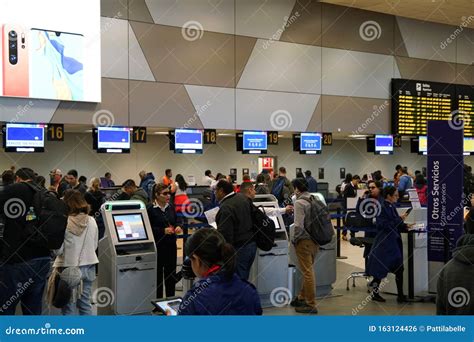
[{"x": 421, "y": 188}]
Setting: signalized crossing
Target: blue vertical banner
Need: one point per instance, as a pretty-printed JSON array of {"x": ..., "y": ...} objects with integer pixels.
[{"x": 445, "y": 183}]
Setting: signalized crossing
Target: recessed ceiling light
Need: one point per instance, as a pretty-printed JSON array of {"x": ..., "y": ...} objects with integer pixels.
[
  {"x": 161, "y": 133},
  {"x": 88, "y": 131},
  {"x": 357, "y": 136},
  {"x": 225, "y": 134}
]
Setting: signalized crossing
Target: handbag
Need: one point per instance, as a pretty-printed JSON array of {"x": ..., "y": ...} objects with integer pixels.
[{"x": 66, "y": 280}]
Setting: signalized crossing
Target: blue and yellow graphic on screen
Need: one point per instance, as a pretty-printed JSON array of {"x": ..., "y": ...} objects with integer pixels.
[{"x": 56, "y": 61}]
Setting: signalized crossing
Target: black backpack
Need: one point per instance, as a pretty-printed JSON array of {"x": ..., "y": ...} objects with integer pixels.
[
  {"x": 322, "y": 230},
  {"x": 264, "y": 229},
  {"x": 49, "y": 227},
  {"x": 356, "y": 220}
]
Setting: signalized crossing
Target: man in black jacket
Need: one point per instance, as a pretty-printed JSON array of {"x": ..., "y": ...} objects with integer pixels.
[
  {"x": 234, "y": 222},
  {"x": 23, "y": 265}
]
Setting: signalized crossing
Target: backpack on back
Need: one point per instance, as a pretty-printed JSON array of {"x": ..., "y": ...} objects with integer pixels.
[
  {"x": 277, "y": 189},
  {"x": 264, "y": 229},
  {"x": 49, "y": 227},
  {"x": 322, "y": 230}
]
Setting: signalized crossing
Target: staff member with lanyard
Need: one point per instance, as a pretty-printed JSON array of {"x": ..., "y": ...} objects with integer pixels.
[{"x": 163, "y": 223}]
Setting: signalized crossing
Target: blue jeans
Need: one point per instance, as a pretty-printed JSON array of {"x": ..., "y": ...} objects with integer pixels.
[
  {"x": 245, "y": 257},
  {"x": 83, "y": 303},
  {"x": 23, "y": 283}
]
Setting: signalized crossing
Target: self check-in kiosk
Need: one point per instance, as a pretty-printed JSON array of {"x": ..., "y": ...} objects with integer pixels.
[
  {"x": 270, "y": 269},
  {"x": 127, "y": 256}
]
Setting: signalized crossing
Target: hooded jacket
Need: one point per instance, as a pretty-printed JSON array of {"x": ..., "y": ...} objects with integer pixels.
[
  {"x": 455, "y": 295},
  {"x": 140, "y": 195},
  {"x": 81, "y": 231},
  {"x": 147, "y": 182}
]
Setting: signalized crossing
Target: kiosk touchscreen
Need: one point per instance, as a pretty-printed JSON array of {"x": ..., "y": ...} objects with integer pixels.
[
  {"x": 130, "y": 227},
  {"x": 127, "y": 256}
]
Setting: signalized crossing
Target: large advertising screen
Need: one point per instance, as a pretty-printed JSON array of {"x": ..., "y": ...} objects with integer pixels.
[{"x": 50, "y": 49}]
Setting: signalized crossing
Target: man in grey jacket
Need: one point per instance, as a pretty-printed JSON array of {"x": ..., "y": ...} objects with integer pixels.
[{"x": 306, "y": 249}]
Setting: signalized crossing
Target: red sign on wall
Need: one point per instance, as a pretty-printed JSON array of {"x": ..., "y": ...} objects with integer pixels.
[{"x": 267, "y": 163}]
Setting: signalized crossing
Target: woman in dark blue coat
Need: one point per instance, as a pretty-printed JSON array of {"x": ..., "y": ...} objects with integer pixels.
[
  {"x": 219, "y": 291},
  {"x": 386, "y": 255}
]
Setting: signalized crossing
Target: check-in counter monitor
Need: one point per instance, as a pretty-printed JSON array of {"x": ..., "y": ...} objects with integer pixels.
[
  {"x": 127, "y": 256},
  {"x": 270, "y": 269}
]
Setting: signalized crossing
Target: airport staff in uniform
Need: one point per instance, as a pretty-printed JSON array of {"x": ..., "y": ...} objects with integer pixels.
[
  {"x": 387, "y": 251},
  {"x": 220, "y": 291},
  {"x": 163, "y": 223},
  {"x": 369, "y": 209}
]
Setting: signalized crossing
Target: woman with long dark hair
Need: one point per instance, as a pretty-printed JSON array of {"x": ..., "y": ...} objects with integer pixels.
[
  {"x": 220, "y": 291},
  {"x": 180, "y": 197}
]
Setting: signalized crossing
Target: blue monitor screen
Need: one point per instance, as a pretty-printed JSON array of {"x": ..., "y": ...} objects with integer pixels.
[
  {"x": 310, "y": 141},
  {"x": 186, "y": 140},
  {"x": 24, "y": 135},
  {"x": 113, "y": 138},
  {"x": 383, "y": 144},
  {"x": 253, "y": 141}
]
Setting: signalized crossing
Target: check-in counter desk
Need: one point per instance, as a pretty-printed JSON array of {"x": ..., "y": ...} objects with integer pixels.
[{"x": 415, "y": 256}]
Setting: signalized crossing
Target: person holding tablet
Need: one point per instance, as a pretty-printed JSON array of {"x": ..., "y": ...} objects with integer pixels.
[{"x": 219, "y": 291}]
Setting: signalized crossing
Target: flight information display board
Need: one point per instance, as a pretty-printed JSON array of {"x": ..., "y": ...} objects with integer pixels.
[
  {"x": 414, "y": 103},
  {"x": 465, "y": 104}
]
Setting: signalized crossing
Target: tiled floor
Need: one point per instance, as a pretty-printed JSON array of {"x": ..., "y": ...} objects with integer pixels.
[{"x": 356, "y": 301}]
